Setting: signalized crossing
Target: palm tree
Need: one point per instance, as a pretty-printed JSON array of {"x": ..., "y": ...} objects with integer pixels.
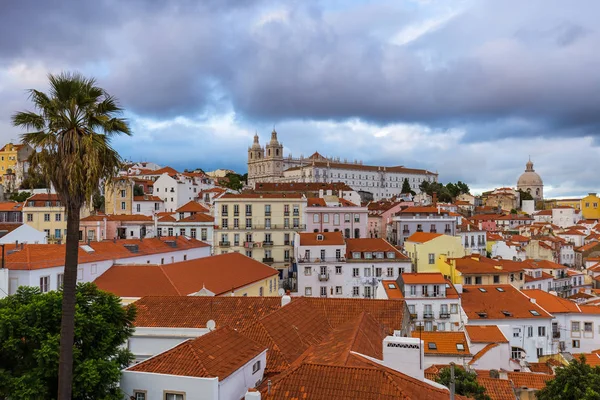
[{"x": 71, "y": 129}]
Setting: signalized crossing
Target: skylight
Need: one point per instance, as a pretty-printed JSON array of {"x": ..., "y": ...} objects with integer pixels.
[
  {"x": 432, "y": 346},
  {"x": 391, "y": 286},
  {"x": 482, "y": 314},
  {"x": 533, "y": 312},
  {"x": 500, "y": 289},
  {"x": 460, "y": 347},
  {"x": 86, "y": 248},
  {"x": 507, "y": 313},
  {"x": 482, "y": 290}
]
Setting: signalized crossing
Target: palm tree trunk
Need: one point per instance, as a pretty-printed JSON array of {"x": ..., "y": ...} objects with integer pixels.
[{"x": 67, "y": 327}]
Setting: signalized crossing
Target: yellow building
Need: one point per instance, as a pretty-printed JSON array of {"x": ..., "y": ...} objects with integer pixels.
[
  {"x": 425, "y": 248},
  {"x": 492, "y": 239},
  {"x": 479, "y": 270},
  {"x": 231, "y": 274},
  {"x": 574, "y": 203},
  {"x": 118, "y": 197},
  {"x": 261, "y": 226},
  {"x": 590, "y": 206},
  {"x": 45, "y": 213},
  {"x": 13, "y": 158}
]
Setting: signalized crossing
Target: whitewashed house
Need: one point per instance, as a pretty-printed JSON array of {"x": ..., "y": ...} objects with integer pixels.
[
  {"x": 178, "y": 189},
  {"x": 21, "y": 233}
]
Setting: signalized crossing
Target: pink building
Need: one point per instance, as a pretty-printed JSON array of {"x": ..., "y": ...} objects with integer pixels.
[
  {"x": 380, "y": 216},
  {"x": 333, "y": 214}
]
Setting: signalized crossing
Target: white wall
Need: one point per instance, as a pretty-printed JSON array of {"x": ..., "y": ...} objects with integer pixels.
[
  {"x": 24, "y": 234},
  {"x": 150, "y": 341},
  {"x": 236, "y": 384},
  {"x": 495, "y": 358},
  {"x": 434, "y": 359},
  {"x": 589, "y": 341},
  {"x": 157, "y": 384}
]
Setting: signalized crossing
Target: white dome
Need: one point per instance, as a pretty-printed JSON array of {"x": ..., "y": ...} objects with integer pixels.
[{"x": 529, "y": 177}]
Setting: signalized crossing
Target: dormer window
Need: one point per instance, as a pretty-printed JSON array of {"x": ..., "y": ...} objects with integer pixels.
[
  {"x": 379, "y": 254},
  {"x": 356, "y": 254},
  {"x": 391, "y": 254},
  {"x": 432, "y": 346},
  {"x": 368, "y": 255},
  {"x": 319, "y": 237}
]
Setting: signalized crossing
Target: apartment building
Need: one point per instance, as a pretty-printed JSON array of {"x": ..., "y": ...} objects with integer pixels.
[
  {"x": 425, "y": 248},
  {"x": 118, "y": 196},
  {"x": 261, "y": 226},
  {"x": 44, "y": 212},
  {"x": 479, "y": 270},
  {"x": 422, "y": 219},
  {"x": 14, "y": 162},
  {"x": 333, "y": 214},
  {"x": 11, "y": 211},
  {"x": 180, "y": 188},
  {"x": 330, "y": 265}
]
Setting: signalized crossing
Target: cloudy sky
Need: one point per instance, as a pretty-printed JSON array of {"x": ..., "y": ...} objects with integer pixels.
[{"x": 466, "y": 88}]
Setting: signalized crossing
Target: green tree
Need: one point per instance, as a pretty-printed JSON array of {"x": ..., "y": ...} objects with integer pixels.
[
  {"x": 465, "y": 383},
  {"x": 34, "y": 180},
  {"x": 235, "y": 181},
  {"x": 20, "y": 197},
  {"x": 98, "y": 202},
  {"x": 29, "y": 343},
  {"x": 576, "y": 381},
  {"x": 138, "y": 190},
  {"x": 513, "y": 211},
  {"x": 458, "y": 188},
  {"x": 71, "y": 128},
  {"x": 406, "y": 186}
]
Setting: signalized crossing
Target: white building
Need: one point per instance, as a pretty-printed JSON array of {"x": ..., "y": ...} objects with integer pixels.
[
  {"x": 565, "y": 216},
  {"x": 527, "y": 325},
  {"x": 178, "y": 189},
  {"x": 147, "y": 205},
  {"x": 422, "y": 219},
  {"x": 432, "y": 300},
  {"x": 331, "y": 266},
  {"x": 220, "y": 365},
  {"x": 42, "y": 265},
  {"x": 575, "y": 328},
  {"x": 21, "y": 233},
  {"x": 473, "y": 239},
  {"x": 507, "y": 250},
  {"x": 490, "y": 347}
]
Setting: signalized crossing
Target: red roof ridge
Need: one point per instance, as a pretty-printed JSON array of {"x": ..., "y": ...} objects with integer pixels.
[{"x": 162, "y": 270}]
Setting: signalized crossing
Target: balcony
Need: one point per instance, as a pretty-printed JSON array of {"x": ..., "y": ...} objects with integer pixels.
[
  {"x": 224, "y": 214},
  {"x": 224, "y": 244},
  {"x": 296, "y": 214},
  {"x": 249, "y": 244},
  {"x": 286, "y": 213},
  {"x": 248, "y": 214},
  {"x": 444, "y": 315},
  {"x": 267, "y": 213},
  {"x": 236, "y": 213},
  {"x": 286, "y": 242},
  {"x": 317, "y": 260},
  {"x": 324, "y": 277},
  {"x": 428, "y": 315},
  {"x": 236, "y": 243},
  {"x": 413, "y": 316},
  {"x": 406, "y": 232},
  {"x": 267, "y": 243},
  {"x": 267, "y": 259}
]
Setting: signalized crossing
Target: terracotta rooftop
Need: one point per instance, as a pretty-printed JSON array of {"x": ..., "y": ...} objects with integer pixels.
[
  {"x": 544, "y": 264},
  {"x": 38, "y": 256},
  {"x": 195, "y": 311},
  {"x": 423, "y": 237},
  {"x": 10, "y": 206},
  {"x": 444, "y": 343},
  {"x": 198, "y": 217},
  {"x": 219, "y": 274},
  {"x": 164, "y": 170},
  {"x": 372, "y": 381},
  {"x": 544, "y": 275},
  {"x": 372, "y": 245},
  {"x": 482, "y": 265},
  {"x": 192, "y": 207},
  {"x": 327, "y": 239},
  {"x": 414, "y": 278},
  {"x": 392, "y": 289},
  {"x": 529, "y": 380},
  {"x": 499, "y": 302},
  {"x": 262, "y": 196},
  {"x": 8, "y": 227},
  {"x": 592, "y": 359},
  {"x": 118, "y": 217},
  {"x": 147, "y": 197},
  {"x": 541, "y": 367},
  {"x": 216, "y": 354},
  {"x": 485, "y": 334},
  {"x": 497, "y": 389}
]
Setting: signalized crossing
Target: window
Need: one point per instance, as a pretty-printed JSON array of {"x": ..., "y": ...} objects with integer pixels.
[
  {"x": 428, "y": 326},
  {"x": 249, "y": 253},
  {"x": 307, "y": 271},
  {"x": 347, "y": 219},
  {"x": 338, "y": 270},
  {"x": 413, "y": 290},
  {"x": 355, "y": 291},
  {"x": 530, "y": 331},
  {"x": 575, "y": 326},
  {"x": 174, "y": 396},
  {"x": 308, "y": 291},
  {"x": 29, "y": 217},
  {"x": 181, "y": 231},
  {"x": 368, "y": 254},
  {"x": 390, "y": 271},
  {"x": 46, "y": 217},
  {"x": 193, "y": 233},
  {"x": 57, "y": 233},
  {"x": 516, "y": 332},
  {"x": 432, "y": 346},
  {"x": 576, "y": 344},
  {"x": 248, "y": 222},
  {"x": 367, "y": 272},
  {"x": 224, "y": 223},
  {"x": 541, "y": 331},
  {"x": 286, "y": 255},
  {"x": 316, "y": 218},
  {"x": 515, "y": 353},
  {"x": 496, "y": 278},
  {"x": 236, "y": 209},
  {"x": 139, "y": 395},
  {"x": 123, "y": 193},
  {"x": 123, "y": 206},
  {"x": 170, "y": 231},
  {"x": 224, "y": 209},
  {"x": 57, "y": 217},
  {"x": 44, "y": 284},
  {"x": 468, "y": 280},
  {"x": 539, "y": 351},
  {"x": 203, "y": 234},
  {"x": 478, "y": 280},
  {"x": 441, "y": 326},
  {"x": 378, "y": 272},
  {"x": 248, "y": 209},
  {"x": 159, "y": 232},
  {"x": 356, "y": 217},
  {"x": 338, "y": 290},
  {"x": 391, "y": 254},
  {"x": 460, "y": 346},
  {"x": 296, "y": 210},
  {"x": 453, "y": 308},
  {"x": 256, "y": 367},
  {"x": 60, "y": 281},
  {"x": 431, "y": 258},
  {"x": 355, "y": 273}
]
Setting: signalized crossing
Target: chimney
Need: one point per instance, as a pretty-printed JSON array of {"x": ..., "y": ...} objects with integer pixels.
[
  {"x": 286, "y": 298},
  {"x": 252, "y": 394},
  {"x": 405, "y": 355},
  {"x": 434, "y": 199}
]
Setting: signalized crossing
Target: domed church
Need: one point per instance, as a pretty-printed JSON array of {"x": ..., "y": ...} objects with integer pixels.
[{"x": 531, "y": 182}]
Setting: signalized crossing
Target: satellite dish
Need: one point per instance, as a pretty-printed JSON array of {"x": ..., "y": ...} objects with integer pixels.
[
  {"x": 281, "y": 292},
  {"x": 211, "y": 325}
]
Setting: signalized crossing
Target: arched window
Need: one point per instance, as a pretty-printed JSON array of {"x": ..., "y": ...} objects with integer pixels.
[
  {"x": 276, "y": 152},
  {"x": 269, "y": 152},
  {"x": 537, "y": 191}
]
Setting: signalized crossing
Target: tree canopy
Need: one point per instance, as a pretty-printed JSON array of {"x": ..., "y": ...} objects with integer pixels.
[
  {"x": 29, "y": 343},
  {"x": 445, "y": 193},
  {"x": 20, "y": 196},
  {"x": 138, "y": 190},
  {"x": 576, "y": 381},
  {"x": 235, "y": 181},
  {"x": 465, "y": 383},
  {"x": 406, "y": 186}
]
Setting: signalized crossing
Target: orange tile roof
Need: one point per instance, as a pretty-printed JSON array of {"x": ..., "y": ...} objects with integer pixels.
[
  {"x": 10, "y": 206},
  {"x": 541, "y": 367},
  {"x": 164, "y": 170},
  {"x": 529, "y": 380},
  {"x": 485, "y": 334},
  {"x": 315, "y": 202},
  {"x": 445, "y": 342},
  {"x": 192, "y": 206},
  {"x": 544, "y": 275},
  {"x": 118, "y": 217},
  {"x": 44, "y": 197},
  {"x": 166, "y": 217},
  {"x": 422, "y": 237},
  {"x": 147, "y": 197},
  {"x": 195, "y": 311},
  {"x": 329, "y": 239},
  {"x": 220, "y": 274},
  {"x": 497, "y": 389},
  {"x": 506, "y": 303},
  {"x": 198, "y": 217},
  {"x": 372, "y": 245},
  {"x": 544, "y": 264},
  {"x": 482, "y": 352},
  {"x": 392, "y": 289},
  {"x": 217, "y": 354},
  {"x": 9, "y": 226},
  {"x": 372, "y": 381},
  {"x": 470, "y": 265},
  {"x": 433, "y": 371},
  {"x": 592, "y": 359},
  {"x": 38, "y": 256},
  {"x": 413, "y": 278}
]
